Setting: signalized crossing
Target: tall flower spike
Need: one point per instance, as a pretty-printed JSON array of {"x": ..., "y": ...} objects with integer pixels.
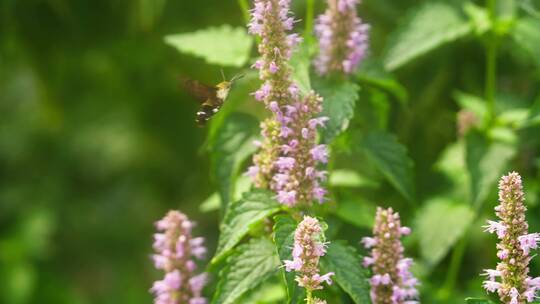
[
  {"x": 309, "y": 246},
  {"x": 511, "y": 278},
  {"x": 175, "y": 252},
  {"x": 392, "y": 282},
  {"x": 343, "y": 38},
  {"x": 289, "y": 156}
]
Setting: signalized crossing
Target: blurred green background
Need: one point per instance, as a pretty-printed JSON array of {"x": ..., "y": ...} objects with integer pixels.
[{"x": 97, "y": 141}]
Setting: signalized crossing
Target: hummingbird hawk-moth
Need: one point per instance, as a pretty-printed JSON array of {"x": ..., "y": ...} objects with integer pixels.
[{"x": 211, "y": 98}]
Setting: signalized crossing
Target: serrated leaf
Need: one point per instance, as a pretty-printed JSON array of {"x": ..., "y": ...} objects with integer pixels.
[
  {"x": 338, "y": 105},
  {"x": 425, "y": 29},
  {"x": 372, "y": 72},
  {"x": 241, "y": 216},
  {"x": 439, "y": 225},
  {"x": 486, "y": 162},
  {"x": 230, "y": 146},
  {"x": 345, "y": 262},
  {"x": 526, "y": 33},
  {"x": 224, "y": 45},
  {"x": 390, "y": 158},
  {"x": 252, "y": 264},
  {"x": 284, "y": 229},
  {"x": 477, "y": 301},
  {"x": 358, "y": 212}
]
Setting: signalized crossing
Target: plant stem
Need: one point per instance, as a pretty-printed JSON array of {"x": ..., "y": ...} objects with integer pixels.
[
  {"x": 244, "y": 6},
  {"x": 453, "y": 269},
  {"x": 310, "y": 9},
  {"x": 491, "y": 63},
  {"x": 309, "y": 297}
]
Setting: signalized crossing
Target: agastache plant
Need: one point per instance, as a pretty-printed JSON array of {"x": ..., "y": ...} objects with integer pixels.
[
  {"x": 289, "y": 155},
  {"x": 510, "y": 279},
  {"x": 392, "y": 282},
  {"x": 175, "y": 252},
  {"x": 343, "y": 38},
  {"x": 309, "y": 246}
]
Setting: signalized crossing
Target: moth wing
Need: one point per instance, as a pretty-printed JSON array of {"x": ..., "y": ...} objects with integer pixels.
[{"x": 200, "y": 91}]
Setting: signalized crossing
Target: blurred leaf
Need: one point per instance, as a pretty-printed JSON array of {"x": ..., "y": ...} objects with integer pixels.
[
  {"x": 526, "y": 33},
  {"x": 338, "y": 105},
  {"x": 474, "y": 104},
  {"x": 534, "y": 115},
  {"x": 345, "y": 262},
  {"x": 267, "y": 293},
  {"x": 372, "y": 72},
  {"x": 514, "y": 118},
  {"x": 425, "y": 29},
  {"x": 232, "y": 144},
  {"x": 452, "y": 163},
  {"x": 358, "y": 212},
  {"x": 213, "y": 202},
  {"x": 477, "y": 301},
  {"x": 390, "y": 157},
  {"x": 284, "y": 229},
  {"x": 149, "y": 11},
  {"x": 18, "y": 282},
  {"x": 350, "y": 178},
  {"x": 300, "y": 63},
  {"x": 224, "y": 45},
  {"x": 479, "y": 17},
  {"x": 241, "y": 216},
  {"x": 439, "y": 225},
  {"x": 530, "y": 8},
  {"x": 252, "y": 264},
  {"x": 485, "y": 164}
]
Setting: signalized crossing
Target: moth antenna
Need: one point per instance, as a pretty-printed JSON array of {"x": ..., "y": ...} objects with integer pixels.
[
  {"x": 238, "y": 76},
  {"x": 223, "y": 75}
]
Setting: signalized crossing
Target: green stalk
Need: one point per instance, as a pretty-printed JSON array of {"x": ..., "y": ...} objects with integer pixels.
[
  {"x": 310, "y": 11},
  {"x": 453, "y": 269},
  {"x": 309, "y": 297},
  {"x": 244, "y": 6}
]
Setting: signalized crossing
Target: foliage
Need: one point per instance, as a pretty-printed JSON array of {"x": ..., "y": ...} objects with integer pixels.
[{"x": 97, "y": 141}]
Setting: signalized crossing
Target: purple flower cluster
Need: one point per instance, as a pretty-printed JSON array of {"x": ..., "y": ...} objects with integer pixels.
[
  {"x": 343, "y": 38},
  {"x": 514, "y": 285},
  {"x": 308, "y": 247},
  {"x": 288, "y": 156},
  {"x": 175, "y": 249},
  {"x": 392, "y": 282}
]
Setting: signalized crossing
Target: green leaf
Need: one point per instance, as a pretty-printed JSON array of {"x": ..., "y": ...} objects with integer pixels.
[
  {"x": 425, "y": 29},
  {"x": 390, "y": 157},
  {"x": 300, "y": 62},
  {"x": 357, "y": 211},
  {"x": 224, "y": 45},
  {"x": 284, "y": 228},
  {"x": 372, "y": 72},
  {"x": 213, "y": 202},
  {"x": 349, "y": 178},
  {"x": 534, "y": 115},
  {"x": 241, "y": 216},
  {"x": 338, "y": 105},
  {"x": 477, "y": 301},
  {"x": 439, "y": 225},
  {"x": 345, "y": 262},
  {"x": 230, "y": 146},
  {"x": 485, "y": 163},
  {"x": 479, "y": 17},
  {"x": 252, "y": 264},
  {"x": 527, "y": 35}
]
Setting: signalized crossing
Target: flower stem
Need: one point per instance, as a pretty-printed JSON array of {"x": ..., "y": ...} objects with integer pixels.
[
  {"x": 244, "y": 7},
  {"x": 309, "y": 297},
  {"x": 453, "y": 269},
  {"x": 310, "y": 9}
]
